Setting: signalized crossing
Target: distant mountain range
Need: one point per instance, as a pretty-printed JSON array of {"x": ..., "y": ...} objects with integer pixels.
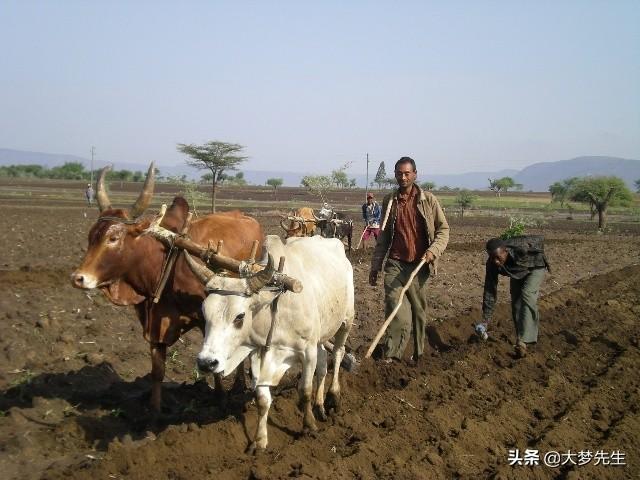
[
  {"x": 539, "y": 176},
  {"x": 536, "y": 177}
]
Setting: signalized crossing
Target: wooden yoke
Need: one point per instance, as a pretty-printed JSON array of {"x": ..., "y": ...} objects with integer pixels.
[{"x": 210, "y": 255}]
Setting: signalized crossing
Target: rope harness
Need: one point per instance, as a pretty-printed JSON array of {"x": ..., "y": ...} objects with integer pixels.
[
  {"x": 170, "y": 261},
  {"x": 278, "y": 290}
]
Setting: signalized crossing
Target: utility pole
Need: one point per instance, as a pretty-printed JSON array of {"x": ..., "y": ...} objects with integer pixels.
[
  {"x": 366, "y": 187},
  {"x": 93, "y": 151}
]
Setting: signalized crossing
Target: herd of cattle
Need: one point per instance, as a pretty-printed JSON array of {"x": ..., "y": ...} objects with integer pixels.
[{"x": 247, "y": 310}]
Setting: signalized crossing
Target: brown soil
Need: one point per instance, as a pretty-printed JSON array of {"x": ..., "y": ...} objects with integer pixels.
[{"x": 73, "y": 384}]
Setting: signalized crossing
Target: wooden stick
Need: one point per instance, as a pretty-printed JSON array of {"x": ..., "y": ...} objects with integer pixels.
[
  {"x": 386, "y": 323},
  {"x": 254, "y": 251},
  {"x": 274, "y": 312},
  {"x": 361, "y": 237}
]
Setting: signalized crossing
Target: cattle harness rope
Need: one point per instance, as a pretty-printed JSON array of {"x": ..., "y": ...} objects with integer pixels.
[
  {"x": 278, "y": 289},
  {"x": 170, "y": 261}
]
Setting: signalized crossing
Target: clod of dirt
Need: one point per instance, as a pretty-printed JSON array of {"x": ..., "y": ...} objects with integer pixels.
[
  {"x": 257, "y": 473},
  {"x": 388, "y": 423},
  {"x": 296, "y": 469},
  {"x": 433, "y": 458},
  {"x": 43, "y": 322},
  {"x": 94, "y": 358},
  {"x": 171, "y": 437},
  {"x": 570, "y": 337},
  {"x": 66, "y": 338},
  {"x": 193, "y": 427}
]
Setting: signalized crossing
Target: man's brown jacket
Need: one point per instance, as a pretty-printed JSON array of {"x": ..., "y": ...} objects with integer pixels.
[{"x": 435, "y": 223}]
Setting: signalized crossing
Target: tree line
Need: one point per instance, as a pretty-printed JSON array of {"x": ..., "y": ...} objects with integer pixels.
[
  {"x": 68, "y": 171},
  {"x": 599, "y": 193}
]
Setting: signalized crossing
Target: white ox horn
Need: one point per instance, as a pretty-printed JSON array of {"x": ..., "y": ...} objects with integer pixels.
[
  {"x": 260, "y": 279},
  {"x": 101, "y": 194},
  {"x": 144, "y": 199},
  {"x": 201, "y": 272},
  {"x": 141, "y": 203}
]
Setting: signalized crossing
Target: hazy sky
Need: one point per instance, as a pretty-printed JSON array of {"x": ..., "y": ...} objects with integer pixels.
[{"x": 308, "y": 86}]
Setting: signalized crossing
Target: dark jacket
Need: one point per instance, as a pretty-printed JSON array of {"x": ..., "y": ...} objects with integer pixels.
[{"x": 526, "y": 253}]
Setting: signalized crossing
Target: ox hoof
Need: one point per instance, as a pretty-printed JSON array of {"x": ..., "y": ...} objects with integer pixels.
[
  {"x": 254, "y": 449},
  {"x": 333, "y": 402},
  {"x": 320, "y": 413}
]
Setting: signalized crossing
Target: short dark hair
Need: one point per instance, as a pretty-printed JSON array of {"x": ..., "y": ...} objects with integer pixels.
[
  {"x": 494, "y": 244},
  {"x": 405, "y": 160}
]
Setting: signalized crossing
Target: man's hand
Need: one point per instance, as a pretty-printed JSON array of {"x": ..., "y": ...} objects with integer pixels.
[
  {"x": 429, "y": 257},
  {"x": 373, "y": 278}
]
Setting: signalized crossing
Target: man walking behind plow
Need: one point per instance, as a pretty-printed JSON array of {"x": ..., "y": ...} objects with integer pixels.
[{"x": 414, "y": 228}]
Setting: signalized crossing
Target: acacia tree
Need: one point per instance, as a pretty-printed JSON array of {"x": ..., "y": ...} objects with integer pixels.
[
  {"x": 275, "y": 183},
  {"x": 560, "y": 190},
  {"x": 464, "y": 200},
  {"x": 215, "y": 156},
  {"x": 381, "y": 176},
  {"x": 339, "y": 177},
  {"x": 638, "y": 185},
  {"x": 503, "y": 184},
  {"x": 428, "y": 186},
  {"x": 317, "y": 185},
  {"x": 600, "y": 193}
]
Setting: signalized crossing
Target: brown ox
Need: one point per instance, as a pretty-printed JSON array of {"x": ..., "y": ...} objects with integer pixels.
[
  {"x": 302, "y": 223},
  {"x": 127, "y": 265}
]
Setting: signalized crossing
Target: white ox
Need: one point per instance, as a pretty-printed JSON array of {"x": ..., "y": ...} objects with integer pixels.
[{"x": 238, "y": 316}]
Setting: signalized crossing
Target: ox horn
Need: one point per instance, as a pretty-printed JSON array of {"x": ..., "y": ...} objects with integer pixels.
[
  {"x": 101, "y": 194},
  {"x": 144, "y": 199},
  {"x": 260, "y": 279},
  {"x": 282, "y": 224},
  {"x": 201, "y": 272}
]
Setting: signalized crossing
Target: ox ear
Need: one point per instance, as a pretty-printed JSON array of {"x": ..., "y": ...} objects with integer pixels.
[
  {"x": 176, "y": 215},
  {"x": 121, "y": 293}
]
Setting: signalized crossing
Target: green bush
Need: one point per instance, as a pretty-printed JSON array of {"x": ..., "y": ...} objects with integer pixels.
[{"x": 516, "y": 227}]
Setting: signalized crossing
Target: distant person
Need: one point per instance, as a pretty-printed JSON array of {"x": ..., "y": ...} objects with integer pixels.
[
  {"x": 89, "y": 194},
  {"x": 372, "y": 214},
  {"x": 414, "y": 228},
  {"x": 326, "y": 212},
  {"x": 522, "y": 259}
]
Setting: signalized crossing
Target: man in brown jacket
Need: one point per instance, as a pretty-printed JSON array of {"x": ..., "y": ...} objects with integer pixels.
[{"x": 413, "y": 227}]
